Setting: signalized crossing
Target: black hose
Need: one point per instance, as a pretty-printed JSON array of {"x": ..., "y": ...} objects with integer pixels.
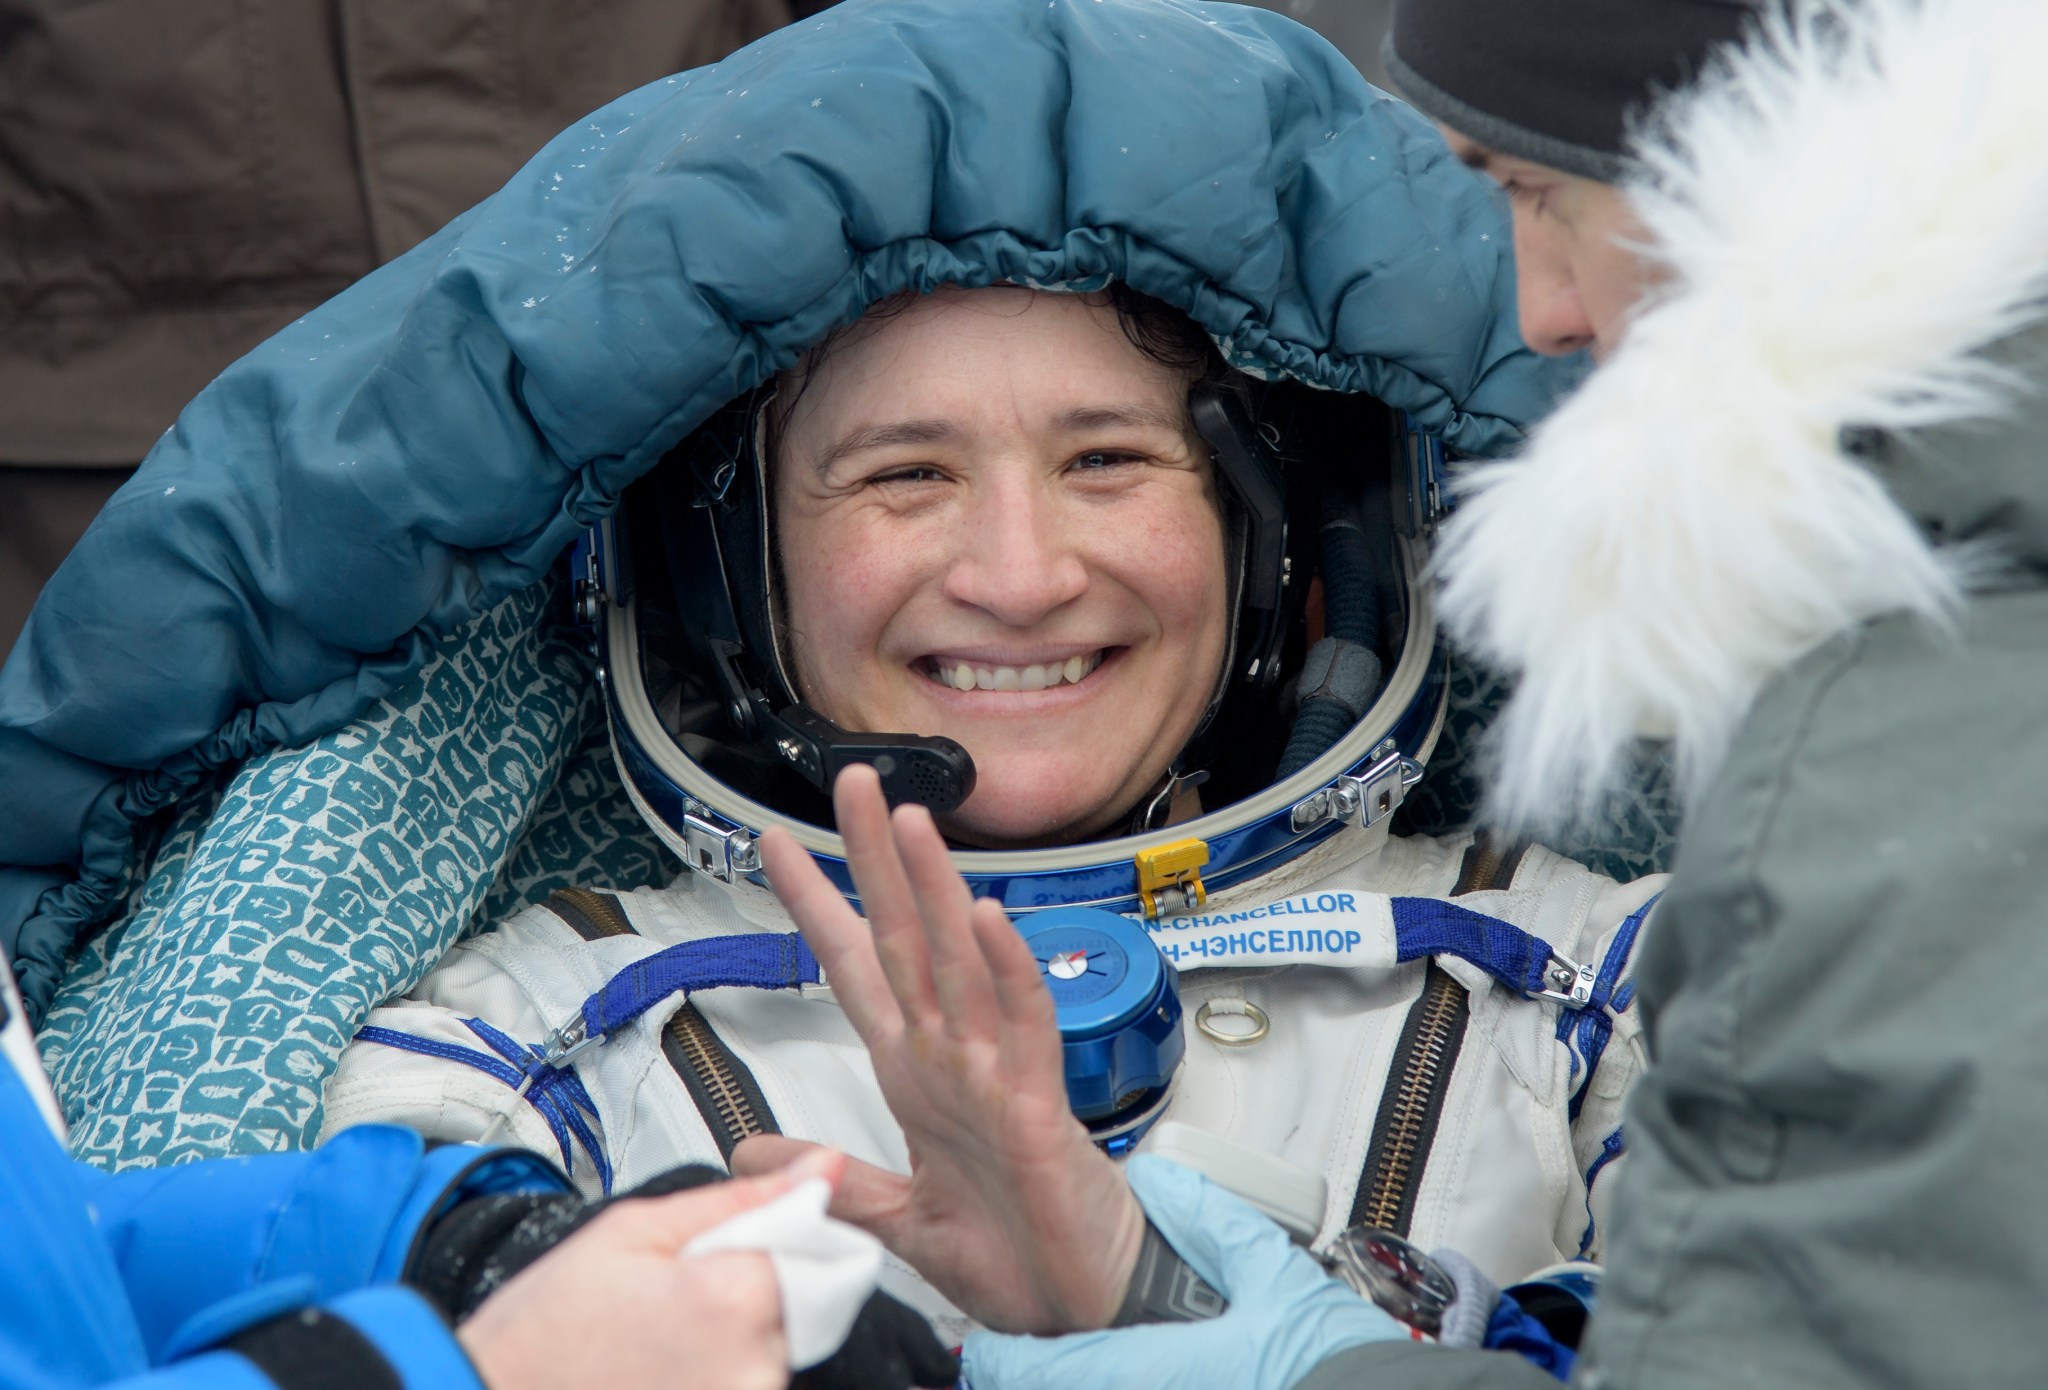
[
  {"x": 1342, "y": 673},
  {"x": 1351, "y": 591}
]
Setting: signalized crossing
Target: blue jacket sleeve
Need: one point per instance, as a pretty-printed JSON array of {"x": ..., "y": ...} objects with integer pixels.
[
  {"x": 206, "y": 1248},
  {"x": 383, "y": 1338},
  {"x": 239, "y": 1272}
]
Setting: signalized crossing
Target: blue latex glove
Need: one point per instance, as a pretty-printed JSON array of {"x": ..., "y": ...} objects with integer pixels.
[{"x": 1286, "y": 1315}]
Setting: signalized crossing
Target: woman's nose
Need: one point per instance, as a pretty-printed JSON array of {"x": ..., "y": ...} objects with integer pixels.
[
  {"x": 1553, "y": 318},
  {"x": 1021, "y": 556}
]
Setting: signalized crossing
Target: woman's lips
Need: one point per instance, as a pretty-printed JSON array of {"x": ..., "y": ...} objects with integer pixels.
[{"x": 959, "y": 674}]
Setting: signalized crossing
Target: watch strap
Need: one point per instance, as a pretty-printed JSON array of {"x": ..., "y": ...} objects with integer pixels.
[{"x": 1164, "y": 1288}]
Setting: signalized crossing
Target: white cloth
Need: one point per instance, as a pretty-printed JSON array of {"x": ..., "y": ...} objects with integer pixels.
[{"x": 826, "y": 1269}]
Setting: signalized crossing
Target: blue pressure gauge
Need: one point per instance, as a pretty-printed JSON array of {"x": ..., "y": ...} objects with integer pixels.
[{"x": 1119, "y": 1016}]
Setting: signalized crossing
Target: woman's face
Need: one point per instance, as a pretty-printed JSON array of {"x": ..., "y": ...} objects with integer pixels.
[{"x": 997, "y": 524}]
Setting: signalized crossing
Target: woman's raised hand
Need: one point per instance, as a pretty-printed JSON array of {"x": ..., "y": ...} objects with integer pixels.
[{"x": 1009, "y": 1210}]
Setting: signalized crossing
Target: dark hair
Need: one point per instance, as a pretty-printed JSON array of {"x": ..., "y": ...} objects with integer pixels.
[
  {"x": 1165, "y": 334},
  {"x": 1154, "y": 327}
]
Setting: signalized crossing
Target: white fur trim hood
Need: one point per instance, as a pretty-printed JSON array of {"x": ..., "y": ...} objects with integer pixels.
[{"x": 1846, "y": 214}]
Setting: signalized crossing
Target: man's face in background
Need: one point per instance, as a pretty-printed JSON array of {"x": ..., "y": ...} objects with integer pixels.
[{"x": 1576, "y": 271}]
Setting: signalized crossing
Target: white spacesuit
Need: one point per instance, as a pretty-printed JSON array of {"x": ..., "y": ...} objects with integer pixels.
[
  {"x": 1429, "y": 1096},
  {"x": 1336, "y": 1018}
]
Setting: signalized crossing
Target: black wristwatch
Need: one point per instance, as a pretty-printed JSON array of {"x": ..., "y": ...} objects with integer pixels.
[
  {"x": 1164, "y": 1288},
  {"x": 1378, "y": 1265}
]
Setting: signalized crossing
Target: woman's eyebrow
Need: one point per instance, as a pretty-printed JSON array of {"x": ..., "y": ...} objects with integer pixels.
[
  {"x": 886, "y": 436},
  {"x": 1095, "y": 417}
]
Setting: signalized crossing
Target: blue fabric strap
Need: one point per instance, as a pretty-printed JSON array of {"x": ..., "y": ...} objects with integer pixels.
[
  {"x": 1585, "y": 1034},
  {"x": 1611, "y": 1148},
  {"x": 1510, "y": 1329},
  {"x": 756, "y": 960},
  {"x": 557, "y": 1093},
  {"x": 1430, "y": 927}
]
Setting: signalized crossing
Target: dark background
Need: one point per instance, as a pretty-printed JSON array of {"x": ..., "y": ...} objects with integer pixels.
[{"x": 1355, "y": 26}]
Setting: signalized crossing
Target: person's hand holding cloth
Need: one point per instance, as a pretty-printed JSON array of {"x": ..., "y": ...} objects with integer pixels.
[{"x": 685, "y": 1280}]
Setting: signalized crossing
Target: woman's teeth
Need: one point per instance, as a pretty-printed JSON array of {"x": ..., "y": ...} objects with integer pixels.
[{"x": 962, "y": 675}]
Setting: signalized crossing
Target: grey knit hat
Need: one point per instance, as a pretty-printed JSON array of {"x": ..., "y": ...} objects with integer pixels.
[{"x": 1554, "y": 81}]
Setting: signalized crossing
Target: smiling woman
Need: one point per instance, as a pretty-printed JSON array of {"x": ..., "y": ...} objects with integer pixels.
[
  {"x": 996, "y": 523},
  {"x": 1037, "y": 562}
]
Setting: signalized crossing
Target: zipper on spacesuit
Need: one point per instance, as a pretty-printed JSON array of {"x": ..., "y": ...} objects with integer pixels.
[
  {"x": 1412, "y": 1104},
  {"x": 592, "y": 916},
  {"x": 1489, "y": 864},
  {"x": 1424, "y": 1058},
  {"x": 724, "y": 1091}
]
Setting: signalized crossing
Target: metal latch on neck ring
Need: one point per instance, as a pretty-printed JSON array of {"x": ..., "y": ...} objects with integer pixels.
[
  {"x": 1370, "y": 796},
  {"x": 724, "y": 853}
]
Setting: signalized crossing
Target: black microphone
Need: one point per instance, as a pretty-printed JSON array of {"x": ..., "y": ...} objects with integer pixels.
[{"x": 933, "y": 772}]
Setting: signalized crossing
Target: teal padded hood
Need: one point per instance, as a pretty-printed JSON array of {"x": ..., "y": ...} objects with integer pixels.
[{"x": 431, "y": 440}]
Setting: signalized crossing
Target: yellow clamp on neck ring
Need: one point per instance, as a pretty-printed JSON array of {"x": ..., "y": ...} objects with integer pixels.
[{"x": 1170, "y": 878}]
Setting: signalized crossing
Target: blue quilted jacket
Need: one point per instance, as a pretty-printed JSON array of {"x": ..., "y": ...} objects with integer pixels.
[
  {"x": 138, "y": 1280},
  {"x": 430, "y": 441}
]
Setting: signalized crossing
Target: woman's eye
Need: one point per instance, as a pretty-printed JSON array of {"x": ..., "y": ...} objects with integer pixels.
[
  {"x": 1523, "y": 193},
  {"x": 915, "y": 473},
  {"x": 1097, "y": 459}
]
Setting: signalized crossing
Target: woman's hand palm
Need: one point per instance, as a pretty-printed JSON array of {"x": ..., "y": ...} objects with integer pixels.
[{"x": 1008, "y": 1209}]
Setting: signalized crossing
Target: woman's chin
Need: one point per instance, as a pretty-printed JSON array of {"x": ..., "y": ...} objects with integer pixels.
[{"x": 994, "y": 818}]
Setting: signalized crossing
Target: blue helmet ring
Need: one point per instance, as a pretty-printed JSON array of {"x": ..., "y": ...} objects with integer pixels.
[{"x": 1360, "y": 780}]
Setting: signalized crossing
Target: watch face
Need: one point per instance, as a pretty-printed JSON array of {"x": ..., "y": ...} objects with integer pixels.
[{"x": 1408, "y": 1284}]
